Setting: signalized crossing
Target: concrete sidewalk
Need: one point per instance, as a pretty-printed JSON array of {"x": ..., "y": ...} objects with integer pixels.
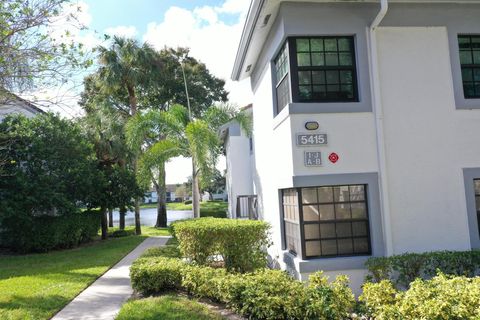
[{"x": 103, "y": 299}]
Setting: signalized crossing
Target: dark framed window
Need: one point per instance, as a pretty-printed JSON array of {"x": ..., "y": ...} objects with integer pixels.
[
  {"x": 291, "y": 218},
  {"x": 325, "y": 69},
  {"x": 321, "y": 69},
  {"x": 332, "y": 221},
  {"x": 476, "y": 184},
  {"x": 469, "y": 46},
  {"x": 282, "y": 79}
]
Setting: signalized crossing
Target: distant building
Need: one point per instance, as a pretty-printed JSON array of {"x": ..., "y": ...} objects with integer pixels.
[
  {"x": 240, "y": 158},
  {"x": 152, "y": 197},
  {"x": 13, "y": 104}
]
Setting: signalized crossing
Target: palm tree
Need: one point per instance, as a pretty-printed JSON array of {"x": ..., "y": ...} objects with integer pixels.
[
  {"x": 105, "y": 129},
  {"x": 183, "y": 136},
  {"x": 129, "y": 68}
]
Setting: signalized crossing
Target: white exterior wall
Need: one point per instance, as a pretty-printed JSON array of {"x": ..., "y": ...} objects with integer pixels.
[
  {"x": 239, "y": 170},
  {"x": 428, "y": 141},
  {"x": 16, "y": 108},
  {"x": 273, "y": 155}
]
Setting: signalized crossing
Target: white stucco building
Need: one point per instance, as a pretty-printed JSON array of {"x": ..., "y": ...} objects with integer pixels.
[
  {"x": 394, "y": 165},
  {"x": 13, "y": 104},
  {"x": 240, "y": 165}
]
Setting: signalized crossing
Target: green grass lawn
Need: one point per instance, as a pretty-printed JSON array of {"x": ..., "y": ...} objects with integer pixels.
[
  {"x": 166, "y": 307},
  {"x": 146, "y": 231},
  {"x": 205, "y": 206},
  {"x": 36, "y": 286}
]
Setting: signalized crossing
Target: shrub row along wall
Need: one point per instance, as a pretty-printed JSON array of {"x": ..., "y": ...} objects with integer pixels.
[
  {"x": 44, "y": 233},
  {"x": 240, "y": 243},
  {"x": 405, "y": 268},
  {"x": 264, "y": 294},
  {"x": 441, "y": 297}
]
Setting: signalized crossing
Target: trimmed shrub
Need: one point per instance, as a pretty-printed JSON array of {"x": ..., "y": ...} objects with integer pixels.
[
  {"x": 442, "y": 297},
  {"x": 241, "y": 243},
  {"x": 121, "y": 233},
  {"x": 187, "y": 202},
  {"x": 169, "y": 251},
  {"x": 215, "y": 213},
  {"x": 157, "y": 274},
  {"x": 405, "y": 268},
  {"x": 264, "y": 294},
  {"x": 45, "y": 233}
]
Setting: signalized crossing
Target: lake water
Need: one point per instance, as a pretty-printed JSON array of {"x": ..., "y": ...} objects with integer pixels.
[{"x": 148, "y": 217}]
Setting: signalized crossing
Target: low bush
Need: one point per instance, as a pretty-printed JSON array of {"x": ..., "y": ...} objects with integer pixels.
[
  {"x": 169, "y": 251},
  {"x": 405, "y": 268},
  {"x": 121, "y": 233},
  {"x": 44, "y": 233},
  {"x": 156, "y": 274},
  {"x": 240, "y": 243},
  {"x": 264, "y": 294},
  {"x": 187, "y": 202},
  {"x": 442, "y": 297},
  {"x": 215, "y": 213}
]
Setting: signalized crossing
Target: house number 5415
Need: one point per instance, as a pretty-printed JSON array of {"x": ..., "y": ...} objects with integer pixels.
[{"x": 311, "y": 139}]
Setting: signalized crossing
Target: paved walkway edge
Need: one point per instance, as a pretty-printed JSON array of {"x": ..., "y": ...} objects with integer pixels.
[{"x": 103, "y": 299}]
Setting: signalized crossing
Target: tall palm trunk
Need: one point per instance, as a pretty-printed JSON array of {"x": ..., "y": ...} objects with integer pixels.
[
  {"x": 110, "y": 217},
  {"x": 122, "y": 213},
  {"x": 133, "y": 108},
  {"x": 195, "y": 191},
  {"x": 103, "y": 211},
  {"x": 161, "y": 189}
]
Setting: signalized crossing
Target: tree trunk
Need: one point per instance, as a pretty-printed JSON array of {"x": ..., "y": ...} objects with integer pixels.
[
  {"x": 133, "y": 110},
  {"x": 122, "y": 213},
  {"x": 195, "y": 191},
  {"x": 138, "y": 228},
  {"x": 110, "y": 217},
  {"x": 161, "y": 189},
  {"x": 103, "y": 210}
]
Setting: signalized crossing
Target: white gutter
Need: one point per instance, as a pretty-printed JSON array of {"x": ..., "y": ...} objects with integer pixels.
[{"x": 378, "y": 113}]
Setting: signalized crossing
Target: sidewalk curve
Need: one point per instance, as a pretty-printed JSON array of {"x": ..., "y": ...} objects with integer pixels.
[{"x": 103, "y": 299}]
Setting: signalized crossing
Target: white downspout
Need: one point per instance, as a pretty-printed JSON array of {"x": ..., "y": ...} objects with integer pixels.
[{"x": 378, "y": 113}]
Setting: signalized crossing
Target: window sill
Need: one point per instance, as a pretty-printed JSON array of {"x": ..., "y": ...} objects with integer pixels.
[{"x": 325, "y": 264}]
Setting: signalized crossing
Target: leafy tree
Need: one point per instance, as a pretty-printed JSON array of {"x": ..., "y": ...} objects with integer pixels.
[
  {"x": 126, "y": 70},
  {"x": 105, "y": 129},
  {"x": 29, "y": 55},
  {"x": 51, "y": 170},
  {"x": 157, "y": 88},
  {"x": 204, "y": 88},
  {"x": 195, "y": 138},
  {"x": 215, "y": 183}
]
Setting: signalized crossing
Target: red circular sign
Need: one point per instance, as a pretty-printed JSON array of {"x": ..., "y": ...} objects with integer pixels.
[{"x": 333, "y": 157}]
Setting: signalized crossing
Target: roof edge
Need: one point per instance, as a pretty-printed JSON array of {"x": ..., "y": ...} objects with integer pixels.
[{"x": 247, "y": 33}]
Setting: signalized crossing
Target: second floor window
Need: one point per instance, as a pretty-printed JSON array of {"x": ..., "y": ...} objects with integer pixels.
[
  {"x": 320, "y": 69},
  {"x": 470, "y": 61}
]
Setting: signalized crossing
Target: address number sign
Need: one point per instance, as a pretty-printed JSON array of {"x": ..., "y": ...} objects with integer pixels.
[{"x": 311, "y": 139}]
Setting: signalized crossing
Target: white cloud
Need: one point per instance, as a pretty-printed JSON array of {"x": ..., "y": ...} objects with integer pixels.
[
  {"x": 124, "y": 31},
  {"x": 210, "y": 40}
]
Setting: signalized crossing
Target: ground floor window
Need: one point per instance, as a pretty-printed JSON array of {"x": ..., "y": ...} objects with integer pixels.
[
  {"x": 326, "y": 221},
  {"x": 476, "y": 183}
]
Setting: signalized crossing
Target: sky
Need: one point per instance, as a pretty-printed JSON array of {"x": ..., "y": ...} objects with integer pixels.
[{"x": 210, "y": 28}]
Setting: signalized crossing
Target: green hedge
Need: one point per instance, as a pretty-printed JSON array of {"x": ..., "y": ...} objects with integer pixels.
[
  {"x": 442, "y": 297},
  {"x": 264, "y": 294},
  {"x": 241, "y": 243},
  {"x": 405, "y": 268},
  {"x": 215, "y": 213},
  {"x": 118, "y": 233},
  {"x": 44, "y": 233}
]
